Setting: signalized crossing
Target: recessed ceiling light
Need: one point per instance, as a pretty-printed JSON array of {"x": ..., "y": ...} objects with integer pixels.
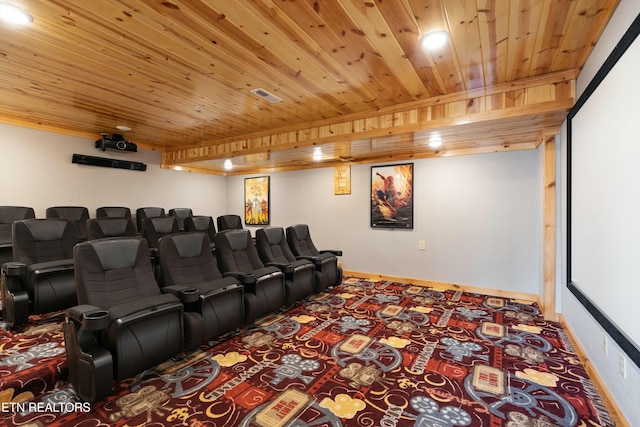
[
  {"x": 434, "y": 39},
  {"x": 435, "y": 140},
  {"x": 14, "y": 15},
  {"x": 228, "y": 165},
  {"x": 317, "y": 154},
  {"x": 123, "y": 128}
]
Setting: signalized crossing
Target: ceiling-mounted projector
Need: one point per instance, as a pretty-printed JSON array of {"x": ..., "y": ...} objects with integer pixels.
[{"x": 115, "y": 142}]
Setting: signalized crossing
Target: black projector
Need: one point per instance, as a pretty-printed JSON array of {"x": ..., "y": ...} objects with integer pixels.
[{"x": 115, "y": 142}]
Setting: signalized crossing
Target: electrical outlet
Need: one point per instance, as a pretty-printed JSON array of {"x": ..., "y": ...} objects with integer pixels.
[
  {"x": 622, "y": 365},
  {"x": 421, "y": 245},
  {"x": 605, "y": 344}
]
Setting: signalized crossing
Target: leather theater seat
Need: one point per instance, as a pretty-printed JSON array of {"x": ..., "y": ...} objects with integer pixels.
[
  {"x": 181, "y": 214},
  {"x": 113, "y": 212},
  {"x": 77, "y": 215},
  {"x": 100, "y": 228},
  {"x": 202, "y": 223},
  {"x": 229, "y": 222},
  {"x": 300, "y": 281},
  {"x": 148, "y": 212},
  {"x": 186, "y": 261},
  {"x": 264, "y": 286},
  {"x": 328, "y": 272},
  {"x": 40, "y": 279},
  {"x": 123, "y": 323},
  {"x": 8, "y": 214}
]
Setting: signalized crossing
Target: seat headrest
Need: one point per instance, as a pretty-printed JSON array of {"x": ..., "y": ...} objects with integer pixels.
[
  {"x": 302, "y": 231},
  {"x": 72, "y": 213},
  {"x": 189, "y": 245},
  {"x": 274, "y": 235},
  {"x": 45, "y": 229},
  {"x": 238, "y": 239},
  {"x": 8, "y": 214},
  {"x": 112, "y": 226},
  {"x": 117, "y": 252},
  {"x": 163, "y": 224}
]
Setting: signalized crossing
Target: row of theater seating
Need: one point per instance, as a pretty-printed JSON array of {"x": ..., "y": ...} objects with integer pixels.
[
  {"x": 123, "y": 317},
  {"x": 79, "y": 215}
]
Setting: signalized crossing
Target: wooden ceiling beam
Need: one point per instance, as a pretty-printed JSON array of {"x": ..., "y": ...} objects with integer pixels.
[{"x": 551, "y": 95}]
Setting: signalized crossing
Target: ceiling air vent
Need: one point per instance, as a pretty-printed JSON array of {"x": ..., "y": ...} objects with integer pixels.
[{"x": 266, "y": 95}]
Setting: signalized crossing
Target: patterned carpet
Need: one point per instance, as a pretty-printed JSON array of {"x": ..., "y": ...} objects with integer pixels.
[{"x": 364, "y": 354}]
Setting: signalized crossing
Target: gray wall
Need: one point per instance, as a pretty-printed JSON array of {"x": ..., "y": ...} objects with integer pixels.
[
  {"x": 624, "y": 391},
  {"x": 480, "y": 216},
  {"x": 36, "y": 171}
]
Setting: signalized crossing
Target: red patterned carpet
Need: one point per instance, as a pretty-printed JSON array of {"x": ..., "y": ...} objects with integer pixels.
[{"x": 364, "y": 354}]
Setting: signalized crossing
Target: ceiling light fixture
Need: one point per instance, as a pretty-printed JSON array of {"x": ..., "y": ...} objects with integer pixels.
[
  {"x": 317, "y": 154},
  {"x": 14, "y": 15},
  {"x": 435, "y": 140},
  {"x": 434, "y": 40},
  {"x": 228, "y": 165},
  {"x": 123, "y": 128}
]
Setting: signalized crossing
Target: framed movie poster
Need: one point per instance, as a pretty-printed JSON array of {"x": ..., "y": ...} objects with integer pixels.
[
  {"x": 392, "y": 196},
  {"x": 256, "y": 201}
]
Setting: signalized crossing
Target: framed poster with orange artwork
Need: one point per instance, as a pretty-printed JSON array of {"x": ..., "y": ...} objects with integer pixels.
[
  {"x": 392, "y": 196},
  {"x": 256, "y": 201}
]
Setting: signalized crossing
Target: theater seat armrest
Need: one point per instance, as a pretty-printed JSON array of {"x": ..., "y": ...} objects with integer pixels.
[
  {"x": 91, "y": 318},
  {"x": 4, "y": 245},
  {"x": 50, "y": 267},
  {"x": 184, "y": 293},
  {"x": 315, "y": 260},
  {"x": 335, "y": 252},
  {"x": 285, "y": 268},
  {"x": 244, "y": 278}
]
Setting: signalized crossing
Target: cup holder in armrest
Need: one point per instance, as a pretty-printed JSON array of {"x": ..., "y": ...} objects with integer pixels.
[
  {"x": 14, "y": 268},
  {"x": 95, "y": 320},
  {"x": 247, "y": 278},
  {"x": 189, "y": 295}
]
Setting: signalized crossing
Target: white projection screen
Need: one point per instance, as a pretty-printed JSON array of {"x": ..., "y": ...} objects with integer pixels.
[{"x": 603, "y": 134}]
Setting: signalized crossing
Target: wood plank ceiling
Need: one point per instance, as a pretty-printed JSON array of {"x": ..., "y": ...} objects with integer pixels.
[{"x": 354, "y": 82}]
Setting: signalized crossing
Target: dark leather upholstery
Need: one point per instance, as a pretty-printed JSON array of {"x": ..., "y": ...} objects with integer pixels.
[
  {"x": 113, "y": 212},
  {"x": 77, "y": 215},
  {"x": 181, "y": 214},
  {"x": 187, "y": 262},
  {"x": 143, "y": 213},
  {"x": 123, "y": 324},
  {"x": 100, "y": 228},
  {"x": 40, "y": 279},
  {"x": 8, "y": 214},
  {"x": 202, "y": 223},
  {"x": 299, "y": 274},
  {"x": 264, "y": 286},
  {"x": 328, "y": 273},
  {"x": 229, "y": 222}
]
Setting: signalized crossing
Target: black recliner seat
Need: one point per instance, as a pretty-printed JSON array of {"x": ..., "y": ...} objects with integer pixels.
[
  {"x": 77, "y": 215},
  {"x": 8, "y": 214},
  {"x": 229, "y": 222},
  {"x": 181, "y": 214},
  {"x": 113, "y": 212},
  {"x": 40, "y": 278},
  {"x": 100, "y": 228},
  {"x": 155, "y": 228},
  {"x": 204, "y": 224},
  {"x": 328, "y": 272},
  {"x": 299, "y": 273},
  {"x": 123, "y": 324},
  {"x": 186, "y": 261},
  {"x": 150, "y": 212},
  {"x": 264, "y": 286}
]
